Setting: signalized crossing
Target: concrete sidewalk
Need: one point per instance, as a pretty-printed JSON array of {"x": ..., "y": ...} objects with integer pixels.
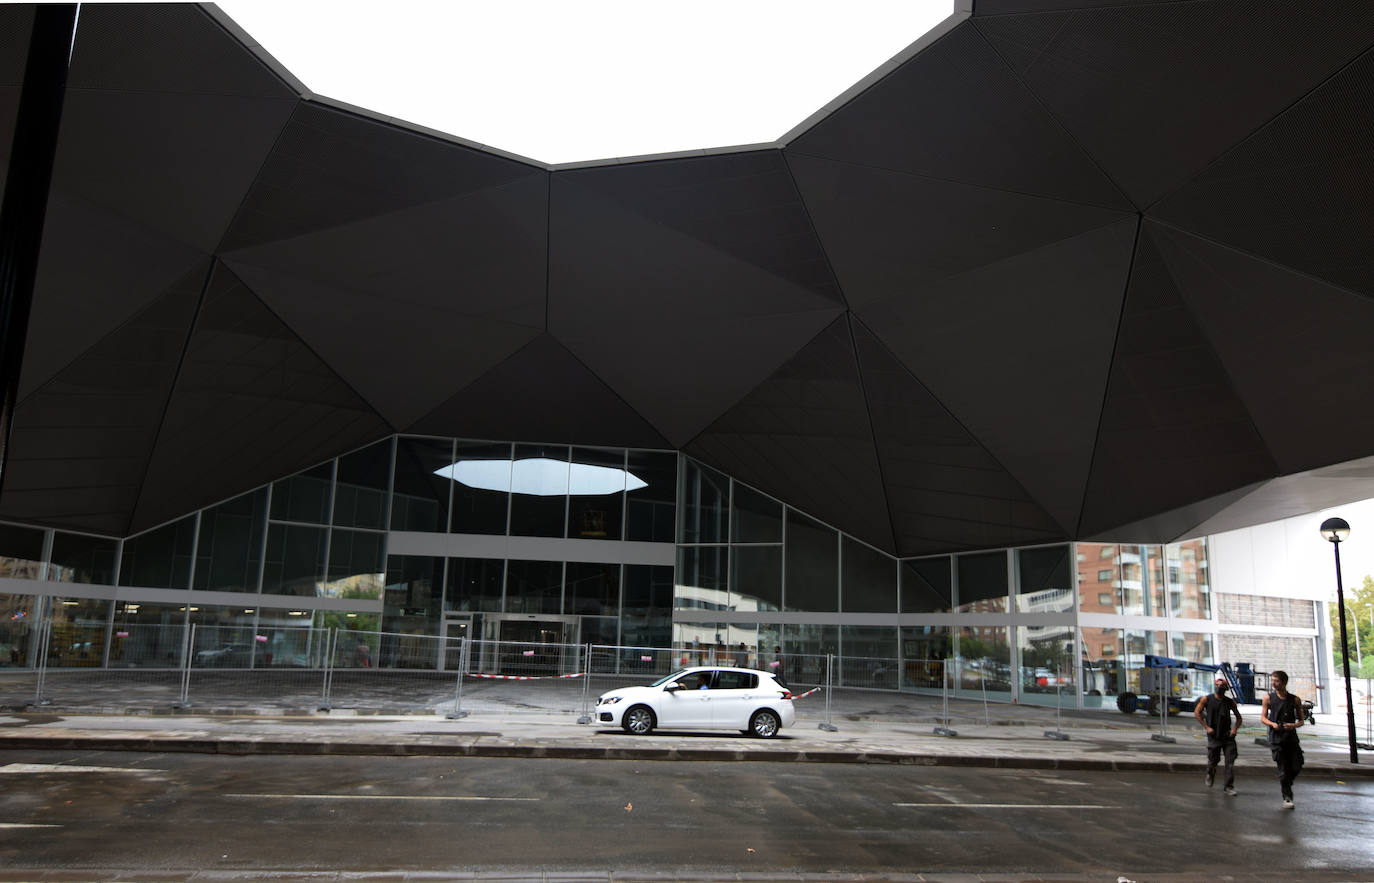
[{"x": 1096, "y": 740}]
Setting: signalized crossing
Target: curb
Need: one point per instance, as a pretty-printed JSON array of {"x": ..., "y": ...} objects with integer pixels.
[{"x": 249, "y": 747}]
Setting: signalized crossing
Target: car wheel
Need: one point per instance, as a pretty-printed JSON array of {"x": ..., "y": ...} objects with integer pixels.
[
  {"x": 1126, "y": 703},
  {"x": 639, "y": 721},
  {"x": 764, "y": 724}
]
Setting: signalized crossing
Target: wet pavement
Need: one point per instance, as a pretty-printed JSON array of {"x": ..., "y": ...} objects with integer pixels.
[{"x": 856, "y": 727}]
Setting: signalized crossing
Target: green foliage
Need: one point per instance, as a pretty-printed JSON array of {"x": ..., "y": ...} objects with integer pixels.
[{"x": 1359, "y": 601}]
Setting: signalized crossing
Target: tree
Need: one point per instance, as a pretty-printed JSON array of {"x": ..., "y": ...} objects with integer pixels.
[{"x": 1358, "y": 604}]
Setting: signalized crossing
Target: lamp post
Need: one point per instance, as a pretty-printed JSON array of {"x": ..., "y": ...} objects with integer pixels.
[{"x": 1334, "y": 531}]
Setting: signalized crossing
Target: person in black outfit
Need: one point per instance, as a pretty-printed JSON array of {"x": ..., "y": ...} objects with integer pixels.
[
  {"x": 1215, "y": 712},
  {"x": 1282, "y": 715}
]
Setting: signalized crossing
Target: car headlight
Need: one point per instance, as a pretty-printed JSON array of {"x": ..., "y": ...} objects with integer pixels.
[{"x": 608, "y": 700}]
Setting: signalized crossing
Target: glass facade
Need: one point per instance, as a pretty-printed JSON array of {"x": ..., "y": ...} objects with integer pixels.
[{"x": 750, "y": 577}]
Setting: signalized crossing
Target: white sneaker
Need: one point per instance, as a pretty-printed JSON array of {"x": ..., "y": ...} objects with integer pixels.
[
  {"x": 1288, "y": 803},
  {"x": 1210, "y": 776},
  {"x": 1230, "y": 792}
]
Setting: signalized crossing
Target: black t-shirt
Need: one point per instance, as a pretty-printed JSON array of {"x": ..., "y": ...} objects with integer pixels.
[
  {"x": 1283, "y": 711},
  {"x": 1216, "y": 713}
]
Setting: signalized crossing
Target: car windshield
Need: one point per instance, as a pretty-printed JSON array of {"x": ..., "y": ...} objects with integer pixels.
[{"x": 672, "y": 677}]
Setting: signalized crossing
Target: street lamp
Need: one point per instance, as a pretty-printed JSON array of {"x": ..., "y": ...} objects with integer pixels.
[{"x": 1334, "y": 531}]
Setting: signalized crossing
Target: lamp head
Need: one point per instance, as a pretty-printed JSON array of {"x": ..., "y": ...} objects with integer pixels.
[{"x": 1335, "y": 530}]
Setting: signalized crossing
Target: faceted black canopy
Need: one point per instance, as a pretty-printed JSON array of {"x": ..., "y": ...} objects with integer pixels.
[{"x": 1065, "y": 269}]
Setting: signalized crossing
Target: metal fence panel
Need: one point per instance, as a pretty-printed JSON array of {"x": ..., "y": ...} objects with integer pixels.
[
  {"x": 239, "y": 667},
  {"x": 393, "y": 672},
  {"x": 513, "y": 677}
]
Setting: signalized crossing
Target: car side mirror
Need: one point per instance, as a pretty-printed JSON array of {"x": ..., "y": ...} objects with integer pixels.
[{"x": 672, "y": 688}]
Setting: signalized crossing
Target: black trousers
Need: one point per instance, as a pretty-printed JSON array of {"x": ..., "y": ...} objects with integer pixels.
[
  {"x": 1288, "y": 758},
  {"x": 1215, "y": 752}
]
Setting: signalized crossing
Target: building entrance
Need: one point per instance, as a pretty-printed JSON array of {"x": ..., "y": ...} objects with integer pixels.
[{"x": 544, "y": 646}]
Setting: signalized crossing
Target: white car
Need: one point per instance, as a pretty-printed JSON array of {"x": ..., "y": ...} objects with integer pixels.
[{"x": 709, "y": 698}]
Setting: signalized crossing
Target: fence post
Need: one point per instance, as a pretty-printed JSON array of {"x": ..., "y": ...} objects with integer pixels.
[
  {"x": 1058, "y": 731},
  {"x": 586, "y": 716},
  {"x": 458, "y": 713},
  {"x": 187, "y": 649},
  {"x": 829, "y": 679},
  {"x": 987, "y": 712},
  {"x": 331, "y": 638},
  {"x": 943, "y": 728},
  {"x": 44, "y": 638},
  {"x": 1163, "y": 734}
]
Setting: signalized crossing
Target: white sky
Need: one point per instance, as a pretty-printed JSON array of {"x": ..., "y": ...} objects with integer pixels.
[{"x": 569, "y": 81}]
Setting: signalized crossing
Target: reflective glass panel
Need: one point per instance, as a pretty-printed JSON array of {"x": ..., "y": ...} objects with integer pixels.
[
  {"x": 534, "y": 587},
  {"x": 600, "y": 630},
  {"x": 705, "y": 504},
  {"x": 357, "y": 564},
  {"x": 77, "y": 639},
  {"x": 305, "y": 496},
  {"x": 361, "y": 490},
  {"x": 1099, "y": 579},
  {"x": 1142, "y": 580},
  {"x": 1104, "y": 666},
  {"x": 651, "y": 508},
  {"x": 539, "y": 485},
  {"x": 869, "y": 657},
  {"x": 229, "y": 550},
  {"x": 813, "y": 565},
  {"x": 756, "y": 578},
  {"x": 160, "y": 558},
  {"x": 700, "y": 643},
  {"x": 1047, "y": 654},
  {"x": 1190, "y": 595},
  {"x": 982, "y": 582},
  {"x": 702, "y": 578},
  {"x": 1194, "y": 647},
  {"x": 295, "y": 560},
  {"x": 596, "y": 494},
  {"x": 19, "y": 619},
  {"x": 1043, "y": 580},
  {"x": 756, "y": 518},
  {"x": 869, "y": 580},
  {"x": 592, "y": 589},
  {"x": 475, "y": 584},
  {"x": 481, "y": 488},
  {"x": 414, "y": 594},
  {"x": 927, "y": 586},
  {"x": 420, "y": 498},
  {"x": 147, "y": 635},
  {"x": 647, "y": 612},
  {"x": 81, "y": 559},
  {"x": 21, "y": 552},
  {"x": 806, "y": 649},
  {"x": 925, "y": 650},
  {"x": 984, "y": 660}
]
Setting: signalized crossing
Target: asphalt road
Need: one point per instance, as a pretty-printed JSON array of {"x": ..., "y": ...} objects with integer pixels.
[{"x": 176, "y": 812}]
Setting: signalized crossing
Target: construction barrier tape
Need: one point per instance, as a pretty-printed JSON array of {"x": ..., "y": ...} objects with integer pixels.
[
  {"x": 473, "y": 674},
  {"x": 807, "y": 693}
]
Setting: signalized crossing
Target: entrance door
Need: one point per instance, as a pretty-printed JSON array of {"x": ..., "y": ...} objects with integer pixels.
[
  {"x": 531, "y": 647},
  {"x": 455, "y": 627}
]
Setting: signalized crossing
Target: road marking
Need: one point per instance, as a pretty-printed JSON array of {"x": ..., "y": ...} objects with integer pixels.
[
  {"x": 372, "y": 797},
  {"x": 1012, "y": 805},
  {"x": 68, "y": 768},
  {"x": 19, "y": 825}
]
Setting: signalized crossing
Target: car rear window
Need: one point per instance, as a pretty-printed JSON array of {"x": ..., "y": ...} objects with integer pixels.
[{"x": 737, "y": 680}]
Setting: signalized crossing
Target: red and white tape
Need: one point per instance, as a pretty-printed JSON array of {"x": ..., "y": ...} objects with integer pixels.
[
  {"x": 807, "y": 693},
  {"x": 473, "y": 674}
]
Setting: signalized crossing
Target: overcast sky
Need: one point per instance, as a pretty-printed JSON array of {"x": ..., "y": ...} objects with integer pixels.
[{"x": 567, "y": 81}]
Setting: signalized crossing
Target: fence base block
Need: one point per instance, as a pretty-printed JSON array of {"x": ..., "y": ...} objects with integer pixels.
[
  {"x": 1156, "y": 737},
  {"x": 945, "y": 731},
  {"x": 456, "y": 715},
  {"x": 829, "y": 728},
  {"x": 1055, "y": 734},
  {"x": 584, "y": 719}
]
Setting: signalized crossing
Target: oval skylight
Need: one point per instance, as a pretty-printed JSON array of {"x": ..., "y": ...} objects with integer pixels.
[
  {"x": 570, "y": 81},
  {"x": 541, "y": 477}
]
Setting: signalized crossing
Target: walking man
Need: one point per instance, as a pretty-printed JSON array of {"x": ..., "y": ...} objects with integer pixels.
[
  {"x": 1281, "y": 713},
  {"x": 1215, "y": 713}
]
